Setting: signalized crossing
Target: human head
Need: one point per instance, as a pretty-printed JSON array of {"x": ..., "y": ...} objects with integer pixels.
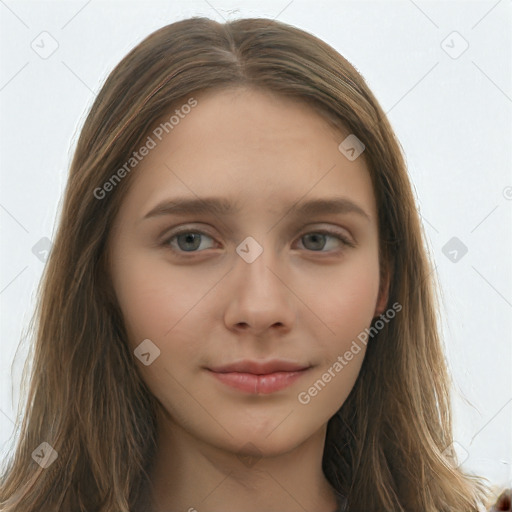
[
  {"x": 278, "y": 300},
  {"x": 83, "y": 338}
]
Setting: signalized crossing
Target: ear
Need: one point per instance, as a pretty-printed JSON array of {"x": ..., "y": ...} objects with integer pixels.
[{"x": 383, "y": 297}]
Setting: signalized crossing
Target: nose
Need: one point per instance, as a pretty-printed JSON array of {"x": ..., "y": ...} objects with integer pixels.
[{"x": 262, "y": 299}]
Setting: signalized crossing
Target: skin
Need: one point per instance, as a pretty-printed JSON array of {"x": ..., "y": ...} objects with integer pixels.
[{"x": 220, "y": 449}]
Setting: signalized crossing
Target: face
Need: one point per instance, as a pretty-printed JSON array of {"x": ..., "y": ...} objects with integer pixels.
[{"x": 264, "y": 282}]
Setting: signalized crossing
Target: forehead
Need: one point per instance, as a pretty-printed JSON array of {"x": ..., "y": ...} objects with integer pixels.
[{"x": 260, "y": 147}]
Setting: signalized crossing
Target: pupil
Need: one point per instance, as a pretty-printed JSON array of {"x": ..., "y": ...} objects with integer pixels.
[
  {"x": 189, "y": 238},
  {"x": 320, "y": 237}
]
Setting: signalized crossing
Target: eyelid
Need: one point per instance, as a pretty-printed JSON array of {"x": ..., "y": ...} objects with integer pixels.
[
  {"x": 313, "y": 228},
  {"x": 331, "y": 231},
  {"x": 168, "y": 234}
]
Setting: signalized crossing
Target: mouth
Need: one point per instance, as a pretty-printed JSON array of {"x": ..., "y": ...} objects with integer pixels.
[{"x": 256, "y": 377}]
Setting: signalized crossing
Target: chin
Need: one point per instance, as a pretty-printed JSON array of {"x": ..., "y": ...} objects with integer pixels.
[{"x": 263, "y": 444}]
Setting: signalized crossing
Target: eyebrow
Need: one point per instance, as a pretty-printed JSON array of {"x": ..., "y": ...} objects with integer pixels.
[{"x": 223, "y": 207}]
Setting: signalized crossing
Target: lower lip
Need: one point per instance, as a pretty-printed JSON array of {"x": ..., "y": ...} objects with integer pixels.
[{"x": 259, "y": 384}]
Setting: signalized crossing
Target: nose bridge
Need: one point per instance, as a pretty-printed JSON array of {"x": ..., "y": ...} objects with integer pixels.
[
  {"x": 254, "y": 253},
  {"x": 257, "y": 266}
]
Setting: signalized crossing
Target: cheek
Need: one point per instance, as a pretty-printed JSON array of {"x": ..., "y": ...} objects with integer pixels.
[
  {"x": 357, "y": 300},
  {"x": 346, "y": 307},
  {"x": 163, "y": 305},
  {"x": 165, "y": 314},
  {"x": 345, "y": 299},
  {"x": 149, "y": 306}
]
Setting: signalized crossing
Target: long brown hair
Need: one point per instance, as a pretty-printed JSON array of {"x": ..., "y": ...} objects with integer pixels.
[{"x": 386, "y": 447}]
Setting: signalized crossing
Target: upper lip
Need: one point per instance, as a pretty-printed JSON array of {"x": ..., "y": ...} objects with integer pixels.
[{"x": 259, "y": 367}]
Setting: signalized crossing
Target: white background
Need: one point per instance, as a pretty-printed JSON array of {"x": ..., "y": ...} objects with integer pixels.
[{"x": 451, "y": 115}]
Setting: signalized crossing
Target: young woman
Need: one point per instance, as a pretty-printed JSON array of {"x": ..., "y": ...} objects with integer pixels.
[{"x": 238, "y": 312}]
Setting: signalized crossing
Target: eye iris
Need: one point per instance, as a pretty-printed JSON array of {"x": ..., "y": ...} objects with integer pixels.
[
  {"x": 315, "y": 236},
  {"x": 188, "y": 237}
]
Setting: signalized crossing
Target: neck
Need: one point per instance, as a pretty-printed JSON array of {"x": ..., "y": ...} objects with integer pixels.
[{"x": 190, "y": 474}]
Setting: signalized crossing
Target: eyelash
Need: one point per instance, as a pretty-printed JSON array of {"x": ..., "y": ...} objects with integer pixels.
[{"x": 185, "y": 254}]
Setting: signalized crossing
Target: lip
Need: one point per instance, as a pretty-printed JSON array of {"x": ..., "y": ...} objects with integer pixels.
[
  {"x": 257, "y": 377},
  {"x": 260, "y": 367}
]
